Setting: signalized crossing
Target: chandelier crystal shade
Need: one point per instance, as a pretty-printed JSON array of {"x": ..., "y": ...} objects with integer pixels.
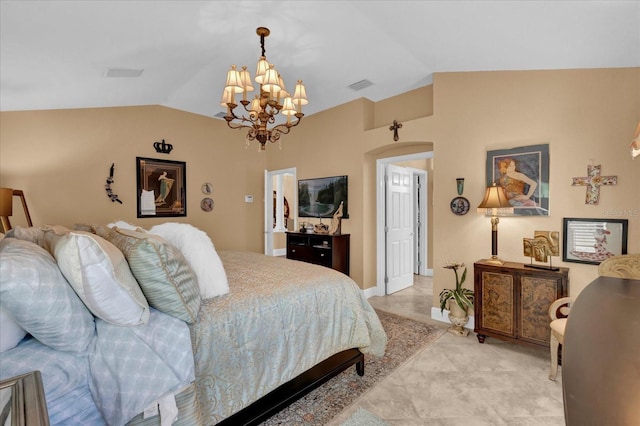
[{"x": 272, "y": 99}]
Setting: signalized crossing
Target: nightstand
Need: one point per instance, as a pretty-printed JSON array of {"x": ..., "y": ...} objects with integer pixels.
[{"x": 23, "y": 401}]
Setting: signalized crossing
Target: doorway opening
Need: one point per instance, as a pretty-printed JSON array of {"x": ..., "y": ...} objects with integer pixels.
[
  {"x": 393, "y": 241},
  {"x": 280, "y": 203}
]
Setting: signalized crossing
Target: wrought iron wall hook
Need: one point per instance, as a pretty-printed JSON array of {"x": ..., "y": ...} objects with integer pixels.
[{"x": 113, "y": 197}]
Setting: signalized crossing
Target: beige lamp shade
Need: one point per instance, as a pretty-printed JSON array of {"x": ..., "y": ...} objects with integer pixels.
[
  {"x": 494, "y": 199},
  {"x": 234, "y": 81},
  {"x": 6, "y": 202},
  {"x": 300, "y": 94},
  {"x": 496, "y": 203}
]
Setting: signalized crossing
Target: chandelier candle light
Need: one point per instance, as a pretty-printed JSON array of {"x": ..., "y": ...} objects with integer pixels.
[{"x": 271, "y": 100}]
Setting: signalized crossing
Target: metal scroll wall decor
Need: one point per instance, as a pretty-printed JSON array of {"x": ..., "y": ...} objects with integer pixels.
[{"x": 113, "y": 197}]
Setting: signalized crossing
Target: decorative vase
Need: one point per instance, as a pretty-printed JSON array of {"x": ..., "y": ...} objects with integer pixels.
[{"x": 458, "y": 318}]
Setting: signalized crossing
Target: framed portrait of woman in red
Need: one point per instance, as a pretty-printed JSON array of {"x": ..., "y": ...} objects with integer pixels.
[{"x": 523, "y": 173}]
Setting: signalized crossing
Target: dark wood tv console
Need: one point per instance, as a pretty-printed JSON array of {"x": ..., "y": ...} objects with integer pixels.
[{"x": 322, "y": 249}]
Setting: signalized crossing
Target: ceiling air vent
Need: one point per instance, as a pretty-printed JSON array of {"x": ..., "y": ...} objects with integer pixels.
[
  {"x": 220, "y": 114},
  {"x": 362, "y": 84},
  {"x": 123, "y": 72}
]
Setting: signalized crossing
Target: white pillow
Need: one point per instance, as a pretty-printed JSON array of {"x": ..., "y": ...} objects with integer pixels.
[
  {"x": 198, "y": 249},
  {"x": 100, "y": 275},
  {"x": 10, "y": 331}
]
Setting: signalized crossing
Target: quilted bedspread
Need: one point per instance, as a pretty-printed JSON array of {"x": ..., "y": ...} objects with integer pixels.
[{"x": 280, "y": 318}]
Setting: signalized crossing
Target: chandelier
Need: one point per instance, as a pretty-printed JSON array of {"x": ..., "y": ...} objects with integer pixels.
[{"x": 272, "y": 99}]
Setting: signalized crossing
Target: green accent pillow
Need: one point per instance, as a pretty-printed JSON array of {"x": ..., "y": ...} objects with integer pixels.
[{"x": 165, "y": 277}]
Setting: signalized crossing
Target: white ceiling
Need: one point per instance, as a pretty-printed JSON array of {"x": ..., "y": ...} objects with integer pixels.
[{"x": 53, "y": 54}]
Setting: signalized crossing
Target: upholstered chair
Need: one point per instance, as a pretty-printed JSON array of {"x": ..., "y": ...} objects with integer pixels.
[
  {"x": 558, "y": 323},
  {"x": 621, "y": 266}
]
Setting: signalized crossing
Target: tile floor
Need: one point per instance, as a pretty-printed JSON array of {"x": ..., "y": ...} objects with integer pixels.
[{"x": 458, "y": 381}]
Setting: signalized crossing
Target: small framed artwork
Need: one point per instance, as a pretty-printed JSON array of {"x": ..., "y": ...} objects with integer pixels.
[
  {"x": 161, "y": 188},
  {"x": 593, "y": 240},
  {"x": 523, "y": 173}
]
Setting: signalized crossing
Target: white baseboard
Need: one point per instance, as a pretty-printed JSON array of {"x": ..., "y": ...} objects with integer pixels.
[
  {"x": 444, "y": 317},
  {"x": 280, "y": 252},
  {"x": 370, "y": 292}
]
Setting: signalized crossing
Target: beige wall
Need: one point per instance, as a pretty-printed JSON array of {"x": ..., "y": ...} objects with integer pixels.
[
  {"x": 61, "y": 159},
  {"x": 585, "y": 116}
]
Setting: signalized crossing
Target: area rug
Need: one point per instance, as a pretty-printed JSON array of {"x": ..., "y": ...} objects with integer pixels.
[
  {"x": 405, "y": 337},
  {"x": 363, "y": 417}
]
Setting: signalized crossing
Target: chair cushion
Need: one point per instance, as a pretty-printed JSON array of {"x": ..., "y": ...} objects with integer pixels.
[{"x": 558, "y": 326}]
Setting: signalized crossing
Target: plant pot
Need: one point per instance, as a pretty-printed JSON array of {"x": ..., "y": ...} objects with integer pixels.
[{"x": 458, "y": 318}]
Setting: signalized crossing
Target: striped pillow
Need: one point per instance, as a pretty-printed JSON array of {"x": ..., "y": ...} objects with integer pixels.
[{"x": 165, "y": 277}]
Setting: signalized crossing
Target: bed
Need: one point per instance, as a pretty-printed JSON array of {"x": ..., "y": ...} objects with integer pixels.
[
  {"x": 278, "y": 329},
  {"x": 276, "y": 307}
]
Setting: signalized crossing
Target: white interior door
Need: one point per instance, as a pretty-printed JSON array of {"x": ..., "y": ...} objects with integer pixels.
[
  {"x": 274, "y": 197},
  {"x": 399, "y": 228},
  {"x": 268, "y": 213}
]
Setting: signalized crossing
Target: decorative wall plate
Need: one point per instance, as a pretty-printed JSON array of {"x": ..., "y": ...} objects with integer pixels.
[
  {"x": 460, "y": 206},
  {"x": 206, "y": 204},
  {"x": 207, "y": 188}
]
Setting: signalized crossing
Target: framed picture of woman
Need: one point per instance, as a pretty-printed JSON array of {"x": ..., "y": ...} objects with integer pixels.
[
  {"x": 523, "y": 173},
  {"x": 161, "y": 188}
]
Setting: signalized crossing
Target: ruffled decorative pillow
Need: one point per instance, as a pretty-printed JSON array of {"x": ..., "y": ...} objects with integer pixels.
[
  {"x": 36, "y": 294},
  {"x": 123, "y": 225},
  {"x": 198, "y": 249},
  {"x": 35, "y": 234}
]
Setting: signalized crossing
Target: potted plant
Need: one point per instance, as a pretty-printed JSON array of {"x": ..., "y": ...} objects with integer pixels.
[{"x": 462, "y": 298}]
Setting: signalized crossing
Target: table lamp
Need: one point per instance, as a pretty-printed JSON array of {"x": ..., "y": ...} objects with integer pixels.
[{"x": 495, "y": 203}]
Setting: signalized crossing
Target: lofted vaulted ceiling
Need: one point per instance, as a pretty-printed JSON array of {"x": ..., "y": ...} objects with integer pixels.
[{"x": 55, "y": 54}]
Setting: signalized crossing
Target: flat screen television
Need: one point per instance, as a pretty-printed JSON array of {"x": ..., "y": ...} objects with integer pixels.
[{"x": 321, "y": 197}]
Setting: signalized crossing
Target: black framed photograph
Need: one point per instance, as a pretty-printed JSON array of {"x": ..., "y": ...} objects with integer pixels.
[
  {"x": 161, "y": 187},
  {"x": 322, "y": 197},
  {"x": 593, "y": 240},
  {"x": 523, "y": 173}
]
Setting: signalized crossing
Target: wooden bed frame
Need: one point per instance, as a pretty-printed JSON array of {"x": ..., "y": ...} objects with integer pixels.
[{"x": 296, "y": 388}]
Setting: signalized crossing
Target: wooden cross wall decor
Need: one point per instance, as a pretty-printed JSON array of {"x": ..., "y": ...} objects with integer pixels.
[
  {"x": 395, "y": 128},
  {"x": 593, "y": 182}
]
